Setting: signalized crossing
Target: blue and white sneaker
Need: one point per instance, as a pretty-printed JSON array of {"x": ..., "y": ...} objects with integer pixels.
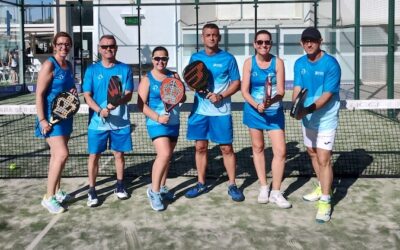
[
  {"x": 155, "y": 200},
  {"x": 52, "y": 205},
  {"x": 235, "y": 193},
  {"x": 197, "y": 190},
  {"x": 120, "y": 192},
  {"x": 62, "y": 196},
  {"x": 92, "y": 201},
  {"x": 166, "y": 194}
]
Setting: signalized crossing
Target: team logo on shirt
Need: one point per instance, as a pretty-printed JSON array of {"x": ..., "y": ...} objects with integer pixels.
[
  {"x": 99, "y": 77},
  {"x": 155, "y": 88},
  {"x": 59, "y": 77},
  {"x": 217, "y": 65},
  {"x": 254, "y": 74},
  {"x": 303, "y": 71}
]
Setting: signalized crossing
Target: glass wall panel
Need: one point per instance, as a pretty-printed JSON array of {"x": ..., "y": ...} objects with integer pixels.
[{"x": 11, "y": 53}]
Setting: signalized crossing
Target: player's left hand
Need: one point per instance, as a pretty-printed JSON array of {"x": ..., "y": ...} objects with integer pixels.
[{"x": 214, "y": 98}]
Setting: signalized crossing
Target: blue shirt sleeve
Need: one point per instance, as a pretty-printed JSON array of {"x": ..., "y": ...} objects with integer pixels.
[
  {"x": 234, "y": 70},
  {"x": 332, "y": 81},
  {"x": 87, "y": 85},
  {"x": 297, "y": 75},
  {"x": 129, "y": 79}
]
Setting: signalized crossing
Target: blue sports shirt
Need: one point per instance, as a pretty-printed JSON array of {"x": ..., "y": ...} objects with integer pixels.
[
  {"x": 96, "y": 82},
  {"x": 258, "y": 79},
  {"x": 224, "y": 70},
  {"x": 319, "y": 77}
]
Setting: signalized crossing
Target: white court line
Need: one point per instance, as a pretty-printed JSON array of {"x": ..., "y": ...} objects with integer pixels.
[{"x": 43, "y": 233}]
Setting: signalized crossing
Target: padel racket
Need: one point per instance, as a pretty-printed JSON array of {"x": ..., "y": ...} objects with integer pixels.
[
  {"x": 172, "y": 92},
  {"x": 268, "y": 90},
  {"x": 64, "y": 106},
  {"x": 298, "y": 105},
  {"x": 114, "y": 91},
  {"x": 196, "y": 76}
]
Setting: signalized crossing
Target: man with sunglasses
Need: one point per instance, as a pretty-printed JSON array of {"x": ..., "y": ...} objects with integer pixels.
[
  {"x": 109, "y": 125},
  {"x": 211, "y": 117},
  {"x": 320, "y": 73}
]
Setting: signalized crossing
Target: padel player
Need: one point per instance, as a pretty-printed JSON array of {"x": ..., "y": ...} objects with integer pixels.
[
  {"x": 55, "y": 76},
  {"x": 109, "y": 125},
  {"x": 260, "y": 113},
  {"x": 211, "y": 117},
  {"x": 320, "y": 74},
  {"x": 162, "y": 128}
]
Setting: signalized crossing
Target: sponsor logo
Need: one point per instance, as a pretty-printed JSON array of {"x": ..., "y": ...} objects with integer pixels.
[
  {"x": 326, "y": 143},
  {"x": 217, "y": 65},
  {"x": 319, "y": 73}
]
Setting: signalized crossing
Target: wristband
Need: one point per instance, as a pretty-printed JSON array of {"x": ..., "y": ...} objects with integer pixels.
[
  {"x": 311, "y": 108},
  {"x": 42, "y": 120},
  {"x": 257, "y": 105},
  {"x": 221, "y": 97},
  {"x": 158, "y": 117}
]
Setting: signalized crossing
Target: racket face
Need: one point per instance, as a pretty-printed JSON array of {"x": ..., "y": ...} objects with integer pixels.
[
  {"x": 114, "y": 91},
  {"x": 196, "y": 75},
  {"x": 172, "y": 92},
  {"x": 64, "y": 106},
  {"x": 298, "y": 103}
]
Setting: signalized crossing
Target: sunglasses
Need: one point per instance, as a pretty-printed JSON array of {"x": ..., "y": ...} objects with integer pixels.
[
  {"x": 66, "y": 45},
  {"x": 161, "y": 58},
  {"x": 112, "y": 46},
  {"x": 261, "y": 42},
  {"x": 305, "y": 41}
]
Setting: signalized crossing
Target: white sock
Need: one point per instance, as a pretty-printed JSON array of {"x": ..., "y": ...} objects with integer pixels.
[
  {"x": 264, "y": 188},
  {"x": 326, "y": 198},
  {"x": 275, "y": 193}
]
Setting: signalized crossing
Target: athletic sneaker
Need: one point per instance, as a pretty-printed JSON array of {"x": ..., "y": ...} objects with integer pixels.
[
  {"x": 120, "y": 192},
  {"x": 314, "y": 195},
  {"x": 92, "y": 201},
  {"x": 279, "y": 200},
  {"x": 235, "y": 193},
  {"x": 166, "y": 194},
  {"x": 62, "y": 196},
  {"x": 196, "y": 190},
  {"x": 155, "y": 200},
  {"x": 324, "y": 211},
  {"x": 52, "y": 205},
  {"x": 263, "y": 195}
]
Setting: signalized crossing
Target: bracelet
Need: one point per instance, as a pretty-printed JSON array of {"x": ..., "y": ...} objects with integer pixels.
[
  {"x": 158, "y": 117},
  {"x": 42, "y": 120},
  {"x": 257, "y": 105},
  {"x": 98, "y": 113},
  {"x": 221, "y": 97}
]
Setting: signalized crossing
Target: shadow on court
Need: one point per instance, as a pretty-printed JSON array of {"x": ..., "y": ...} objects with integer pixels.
[{"x": 344, "y": 177}]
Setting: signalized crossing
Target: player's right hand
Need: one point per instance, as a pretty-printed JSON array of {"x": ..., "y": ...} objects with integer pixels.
[
  {"x": 163, "y": 119},
  {"x": 44, "y": 124}
]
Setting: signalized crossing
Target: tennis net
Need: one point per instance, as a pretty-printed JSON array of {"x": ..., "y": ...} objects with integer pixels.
[{"x": 367, "y": 144}]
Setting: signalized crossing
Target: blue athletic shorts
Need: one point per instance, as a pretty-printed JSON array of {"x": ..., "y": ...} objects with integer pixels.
[
  {"x": 217, "y": 129},
  {"x": 269, "y": 120},
  {"x": 161, "y": 130},
  {"x": 119, "y": 140}
]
